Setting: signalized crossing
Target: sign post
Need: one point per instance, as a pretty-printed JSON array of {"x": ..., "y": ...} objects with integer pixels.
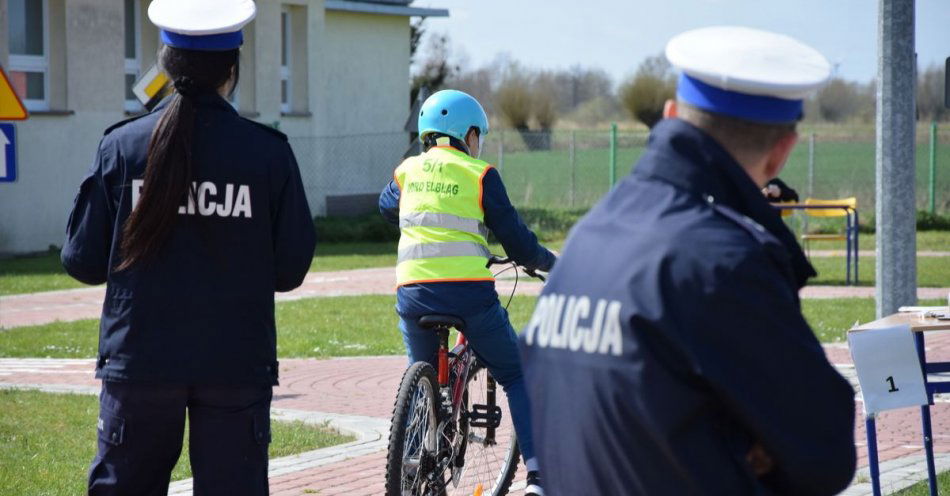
[{"x": 7, "y": 153}]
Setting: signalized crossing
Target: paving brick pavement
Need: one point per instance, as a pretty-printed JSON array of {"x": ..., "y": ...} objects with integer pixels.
[
  {"x": 86, "y": 303},
  {"x": 366, "y": 387}
]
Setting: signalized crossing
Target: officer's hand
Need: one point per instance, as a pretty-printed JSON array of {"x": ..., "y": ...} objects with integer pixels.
[{"x": 759, "y": 461}]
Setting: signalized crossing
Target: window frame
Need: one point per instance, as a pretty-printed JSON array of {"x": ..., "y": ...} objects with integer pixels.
[
  {"x": 286, "y": 70},
  {"x": 133, "y": 66},
  {"x": 35, "y": 63}
]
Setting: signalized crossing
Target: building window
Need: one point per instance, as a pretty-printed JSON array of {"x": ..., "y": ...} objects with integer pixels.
[
  {"x": 286, "y": 61},
  {"x": 29, "y": 51},
  {"x": 132, "y": 50}
]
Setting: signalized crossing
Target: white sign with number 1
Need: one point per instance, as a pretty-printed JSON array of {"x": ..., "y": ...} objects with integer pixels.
[{"x": 888, "y": 368}]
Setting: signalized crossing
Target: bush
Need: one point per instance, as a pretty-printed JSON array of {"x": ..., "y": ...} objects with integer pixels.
[
  {"x": 369, "y": 228},
  {"x": 549, "y": 225},
  {"x": 513, "y": 98},
  {"x": 553, "y": 225},
  {"x": 926, "y": 221}
]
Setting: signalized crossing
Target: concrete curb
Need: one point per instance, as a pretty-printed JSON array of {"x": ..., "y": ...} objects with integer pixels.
[
  {"x": 372, "y": 432},
  {"x": 896, "y": 474},
  {"x": 371, "y": 437}
]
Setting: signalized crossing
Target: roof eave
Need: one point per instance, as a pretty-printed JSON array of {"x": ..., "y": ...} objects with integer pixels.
[{"x": 375, "y": 8}]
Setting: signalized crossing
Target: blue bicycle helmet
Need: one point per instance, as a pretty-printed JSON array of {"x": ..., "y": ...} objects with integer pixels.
[{"x": 452, "y": 113}]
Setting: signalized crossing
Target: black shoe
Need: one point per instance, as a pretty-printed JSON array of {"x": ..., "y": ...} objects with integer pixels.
[{"x": 534, "y": 485}]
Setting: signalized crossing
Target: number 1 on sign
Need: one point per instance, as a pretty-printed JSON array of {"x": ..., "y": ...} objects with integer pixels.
[{"x": 890, "y": 380}]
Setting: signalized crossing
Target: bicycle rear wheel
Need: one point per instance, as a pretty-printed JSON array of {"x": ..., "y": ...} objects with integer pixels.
[
  {"x": 489, "y": 454},
  {"x": 412, "y": 435}
]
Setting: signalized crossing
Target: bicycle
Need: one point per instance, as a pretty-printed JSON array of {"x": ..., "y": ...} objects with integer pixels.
[{"x": 450, "y": 434}]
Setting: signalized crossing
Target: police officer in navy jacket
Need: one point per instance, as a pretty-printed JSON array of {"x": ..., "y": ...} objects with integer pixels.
[
  {"x": 668, "y": 353},
  {"x": 193, "y": 217}
]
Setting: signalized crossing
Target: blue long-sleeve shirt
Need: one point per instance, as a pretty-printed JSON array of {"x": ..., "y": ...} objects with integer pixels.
[{"x": 520, "y": 244}]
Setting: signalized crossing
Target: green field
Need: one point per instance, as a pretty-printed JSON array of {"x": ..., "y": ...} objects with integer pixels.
[
  {"x": 844, "y": 166},
  {"x": 363, "y": 325},
  {"x": 922, "y": 488},
  {"x": 932, "y": 272},
  {"x": 44, "y": 272},
  {"x": 48, "y": 440}
]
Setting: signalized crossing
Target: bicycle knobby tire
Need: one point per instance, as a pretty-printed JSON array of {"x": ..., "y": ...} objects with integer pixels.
[{"x": 418, "y": 383}]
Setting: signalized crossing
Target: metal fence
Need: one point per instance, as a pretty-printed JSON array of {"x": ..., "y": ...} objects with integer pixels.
[{"x": 573, "y": 169}]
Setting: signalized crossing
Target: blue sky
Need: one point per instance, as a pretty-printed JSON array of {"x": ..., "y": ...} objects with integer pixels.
[{"x": 617, "y": 35}]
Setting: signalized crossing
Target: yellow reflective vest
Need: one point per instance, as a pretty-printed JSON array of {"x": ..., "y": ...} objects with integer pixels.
[{"x": 442, "y": 224}]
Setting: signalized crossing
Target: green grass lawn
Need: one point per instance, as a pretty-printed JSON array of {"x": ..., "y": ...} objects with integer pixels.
[
  {"x": 926, "y": 240},
  {"x": 48, "y": 440},
  {"x": 922, "y": 488},
  {"x": 364, "y": 325},
  {"x": 932, "y": 272},
  {"x": 44, "y": 272},
  {"x": 830, "y": 319},
  {"x": 344, "y": 256}
]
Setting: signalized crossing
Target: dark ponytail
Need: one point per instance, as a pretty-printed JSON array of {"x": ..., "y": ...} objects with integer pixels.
[{"x": 169, "y": 170}]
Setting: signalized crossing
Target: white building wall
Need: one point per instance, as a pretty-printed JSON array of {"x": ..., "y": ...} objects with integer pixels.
[
  {"x": 55, "y": 149},
  {"x": 371, "y": 95},
  {"x": 357, "y": 77},
  {"x": 363, "y": 76}
]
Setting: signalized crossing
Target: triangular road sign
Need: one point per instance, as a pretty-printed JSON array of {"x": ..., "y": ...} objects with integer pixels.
[
  {"x": 151, "y": 88},
  {"x": 11, "y": 109}
]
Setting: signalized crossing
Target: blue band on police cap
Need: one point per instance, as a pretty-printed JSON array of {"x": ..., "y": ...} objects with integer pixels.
[
  {"x": 756, "y": 108},
  {"x": 205, "y": 42}
]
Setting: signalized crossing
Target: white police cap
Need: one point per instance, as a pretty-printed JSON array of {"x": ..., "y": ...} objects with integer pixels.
[
  {"x": 207, "y": 25},
  {"x": 746, "y": 73}
]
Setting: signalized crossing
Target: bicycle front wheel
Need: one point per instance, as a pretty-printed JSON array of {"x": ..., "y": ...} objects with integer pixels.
[
  {"x": 489, "y": 454},
  {"x": 413, "y": 446}
]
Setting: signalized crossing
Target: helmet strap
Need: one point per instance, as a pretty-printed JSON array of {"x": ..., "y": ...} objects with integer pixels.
[{"x": 438, "y": 139}]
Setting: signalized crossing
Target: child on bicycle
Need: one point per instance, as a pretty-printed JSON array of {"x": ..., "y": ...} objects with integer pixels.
[{"x": 445, "y": 202}]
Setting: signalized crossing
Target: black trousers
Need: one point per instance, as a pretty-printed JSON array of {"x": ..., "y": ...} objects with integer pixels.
[{"x": 141, "y": 427}]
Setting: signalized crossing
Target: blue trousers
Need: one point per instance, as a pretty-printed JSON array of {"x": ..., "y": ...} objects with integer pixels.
[
  {"x": 141, "y": 427},
  {"x": 495, "y": 344}
]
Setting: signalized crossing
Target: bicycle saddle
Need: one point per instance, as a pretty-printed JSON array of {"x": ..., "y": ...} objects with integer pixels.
[{"x": 439, "y": 321}]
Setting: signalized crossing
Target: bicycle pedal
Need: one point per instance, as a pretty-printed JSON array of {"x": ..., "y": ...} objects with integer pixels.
[{"x": 485, "y": 416}]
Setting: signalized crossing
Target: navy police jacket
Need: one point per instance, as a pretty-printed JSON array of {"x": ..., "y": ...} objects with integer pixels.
[
  {"x": 467, "y": 298},
  {"x": 202, "y": 310},
  {"x": 669, "y": 342}
]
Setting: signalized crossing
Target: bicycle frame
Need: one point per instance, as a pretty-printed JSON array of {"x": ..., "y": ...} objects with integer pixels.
[{"x": 459, "y": 361}]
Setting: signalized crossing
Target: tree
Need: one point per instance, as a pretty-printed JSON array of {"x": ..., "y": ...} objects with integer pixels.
[
  {"x": 839, "y": 100},
  {"x": 930, "y": 94},
  {"x": 544, "y": 101},
  {"x": 579, "y": 85},
  {"x": 513, "y": 97},
  {"x": 544, "y": 108},
  {"x": 524, "y": 95},
  {"x": 648, "y": 90},
  {"x": 436, "y": 68}
]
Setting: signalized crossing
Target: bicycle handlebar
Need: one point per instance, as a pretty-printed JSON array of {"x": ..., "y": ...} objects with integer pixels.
[{"x": 499, "y": 260}]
